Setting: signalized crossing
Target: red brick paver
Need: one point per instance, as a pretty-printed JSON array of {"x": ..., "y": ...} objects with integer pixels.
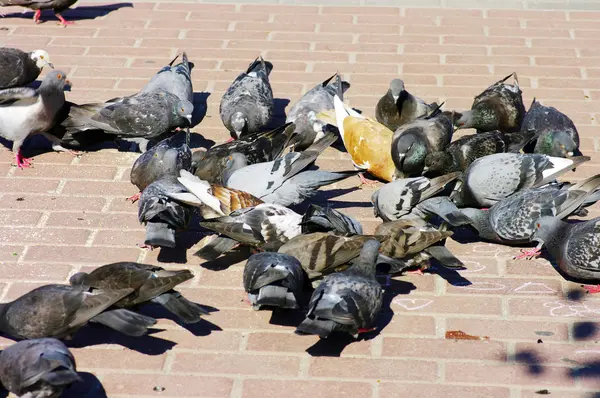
[{"x": 68, "y": 214}]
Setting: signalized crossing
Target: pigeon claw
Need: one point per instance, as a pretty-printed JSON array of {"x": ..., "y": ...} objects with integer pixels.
[
  {"x": 36, "y": 16},
  {"x": 134, "y": 198},
  {"x": 246, "y": 299},
  {"x": 230, "y": 139},
  {"x": 22, "y": 162},
  {"x": 366, "y": 330},
  {"x": 363, "y": 181},
  {"x": 145, "y": 246},
  {"x": 63, "y": 21},
  {"x": 592, "y": 289},
  {"x": 528, "y": 254},
  {"x": 418, "y": 271}
]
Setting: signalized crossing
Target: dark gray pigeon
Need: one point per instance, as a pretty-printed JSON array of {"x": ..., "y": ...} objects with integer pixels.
[
  {"x": 58, "y": 311},
  {"x": 247, "y": 105},
  {"x": 553, "y": 133},
  {"x": 574, "y": 247},
  {"x": 495, "y": 177},
  {"x": 25, "y": 111},
  {"x": 161, "y": 213},
  {"x": 397, "y": 198},
  {"x": 149, "y": 283},
  {"x": 327, "y": 219},
  {"x": 303, "y": 114},
  {"x": 57, "y": 6},
  {"x": 348, "y": 301},
  {"x": 398, "y": 107},
  {"x": 266, "y": 226},
  {"x": 499, "y": 107},
  {"x": 37, "y": 368},
  {"x": 167, "y": 157},
  {"x": 273, "y": 280},
  {"x": 18, "y": 68},
  {"x": 413, "y": 141},
  {"x": 176, "y": 79},
  {"x": 512, "y": 220}
]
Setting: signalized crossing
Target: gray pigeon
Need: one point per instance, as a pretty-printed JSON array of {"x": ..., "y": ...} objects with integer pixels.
[
  {"x": 25, "y": 111},
  {"x": 413, "y": 141},
  {"x": 553, "y": 133},
  {"x": 247, "y": 105},
  {"x": 176, "y": 80},
  {"x": 495, "y": 177},
  {"x": 161, "y": 213},
  {"x": 397, "y": 198},
  {"x": 303, "y": 114},
  {"x": 58, "y": 311},
  {"x": 398, "y": 107},
  {"x": 37, "y": 368},
  {"x": 499, "y": 107},
  {"x": 167, "y": 157},
  {"x": 267, "y": 226},
  {"x": 57, "y": 6},
  {"x": 149, "y": 283},
  {"x": 574, "y": 247},
  {"x": 273, "y": 280},
  {"x": 512, "y": 220},
  {"x": 326, "y": 219},
  {"x": 348, "y": 301},
  {"x": 18, "y": 68}
]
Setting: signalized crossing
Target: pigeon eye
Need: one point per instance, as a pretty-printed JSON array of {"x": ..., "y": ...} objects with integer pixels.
[
  {"x": 59, "y": 76},
  {"x": 538, "y": 225},
  {"x": 41, "y": 56},
  {"x": 182, "y": 110}
]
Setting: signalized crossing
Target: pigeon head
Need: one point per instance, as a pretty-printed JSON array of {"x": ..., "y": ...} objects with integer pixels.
[
  {"x": 409, "y": 151},
  {"x": 438, "y": 162},
  {"x": 183, "y": 111},
  {"x": 55, "y": 79},
  {"x": 80, "y": 279},
  {"x": 367, "y": 260},
  {"x": 480, "y": 118},
  {"x": 234, "y": 162},
  {"x": 396, "y": 88},
  {"x": 41, "y": 59},
  {"x": 556, "y": 143},
  {"x": 238, "y": 123},
  {"x": 547, "y": 230}
]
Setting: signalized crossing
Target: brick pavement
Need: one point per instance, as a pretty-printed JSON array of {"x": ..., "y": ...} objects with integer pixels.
[{"x": 68, "y": 214}]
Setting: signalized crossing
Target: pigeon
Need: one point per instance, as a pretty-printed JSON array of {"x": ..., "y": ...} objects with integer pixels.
[
  {"x": 327, "y": 219},
  {"x": 322, "y": 253},
  {"x": 149, "y": 283},
  {"x": 574, "y": 247},
  {"x": 20, "y": 68},
  {"x": 266, "y": 226},
  {"x": 273, "y": 280},
  {"x": 458, "y": 155},
  {"x": 247, "y": 105},
  {"x": 512, "y": 221},
  {"x": 399, "y": 107},
  {"x": 38, "y": 368},
  {"x": 161, "y": 213},
  {"x": 553, "y": 133},
  {"x": 349, "y": 301},
  {"x": 249, "y": 149},
  {"x": 25, "y": 111},
  {"x": 494, "y": 177},
  {"x": 412, "y": 142},
  {"x": 167, "y": 157},
  {"x": 213, "y": 200},
  {"x": 366, "y": 140},
  {"x": 499, "y": 107},
  {"x": 176, "y": 79},
  {"x": 58, "y": 311},
  {"x": 57, "y": 6},
  {"x": 303, "y": 114}
]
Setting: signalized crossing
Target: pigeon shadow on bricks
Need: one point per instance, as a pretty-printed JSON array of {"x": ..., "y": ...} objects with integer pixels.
[
  {"x": 202, "y": 328},
  {"x": 179, "y": 254},
  {"x": 200, "y": 107},
  {"x": 90, "y": 387},
  {"x": 232, "y": 257},
  {"x": 74, "y": 14}
]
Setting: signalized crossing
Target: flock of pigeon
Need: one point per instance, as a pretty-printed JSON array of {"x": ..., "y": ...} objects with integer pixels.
[{"x": 500, "y": 182}]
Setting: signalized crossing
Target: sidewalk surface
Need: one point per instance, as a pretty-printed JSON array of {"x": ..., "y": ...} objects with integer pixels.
[{"x": 539, "y": 334}]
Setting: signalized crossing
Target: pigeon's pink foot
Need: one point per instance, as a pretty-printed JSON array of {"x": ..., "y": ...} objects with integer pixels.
[
  {"x": 418, "y": 271},
  {"x": 229, "y": 140},
  {"x": 361, "y": 330},
  {"x": 528, "y": 254},
  {"x": 246, "y": 300},
  {"x": 145, "y": 246},
  {"x": 592, "y": 289},
  {"x": 21, "y": 161},
  {"x": 363, "y": 181},
  {"x": 36, "y": 16},
  {"x": 135, "y": 197},
  {"x": 63, "y": 21},
  {"x": 75, "y": 153}
]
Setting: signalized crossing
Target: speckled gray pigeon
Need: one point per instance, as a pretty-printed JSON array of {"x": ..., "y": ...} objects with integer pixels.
[
  {"x": 574, "y": 247},
  {"x": 398, "y": 107},
  {"x": 247, "y": 105},
  {"x": 553, "y": 133},
  {"x": 327, "y": 219},
  {"x": 59, "y": 310},
  {"x": 413, "y": 141},
  {"x": 499, "y": 107},
  {"x": 161, "y": 213},
  {"x": 150, "y": 283},
  {"x": 18, "y": 68},
  {"x": 397, "y": 198},
  {"x": 167, "y": 157},
  {"x": 303, "y": 114},
  {"x": 37, "y": 368},
  {"x": 494, "y": 177},
  {"x": 25, "y": 111},
  {"x": 174, "y": 79},
  {"x": 348, "y": 301},
  {"x": 273, "y": 280}
]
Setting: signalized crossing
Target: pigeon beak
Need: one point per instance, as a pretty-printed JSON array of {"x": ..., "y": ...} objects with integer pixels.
[
  {"x": 570, "y": 154},
  {"x": 189, "y": 118},
  {"x": 456, "y": 128},
  {"x": 395, "y": 97},
  {"x": 50, "y": 65},
  {"x": 425, "y": 169}
]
